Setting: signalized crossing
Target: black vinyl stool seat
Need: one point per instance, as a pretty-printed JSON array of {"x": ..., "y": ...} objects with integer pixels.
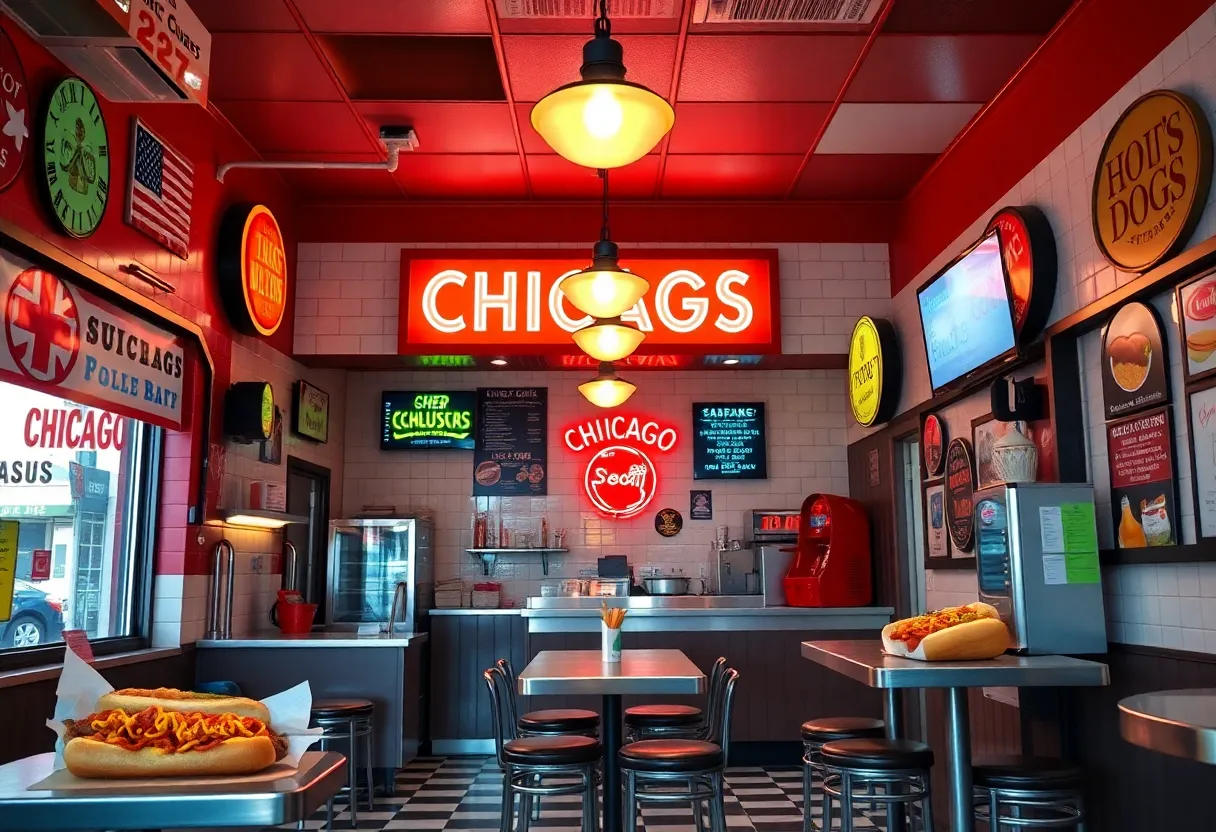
[
  {"x": 663, "y": 716},
  {"x": 552, "y": 751},
  {"x": 559, "y": 721},
  {"x": 663, "y": 721},
  {"x": 339, "y": 708},
  {"x": 815, "y": 732},
  {"x": 888, "y": 773},
  {"x": 673, "y": 755},
  {"x": 1028, "y": 793},
  {"x": 350, "y": 720}
]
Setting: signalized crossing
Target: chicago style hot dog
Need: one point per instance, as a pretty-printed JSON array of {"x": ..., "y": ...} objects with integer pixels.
[{"x": 973, "y": 631}]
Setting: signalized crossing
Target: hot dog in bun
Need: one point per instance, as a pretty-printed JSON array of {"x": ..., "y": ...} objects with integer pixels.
[
  {"x": 169, "y": 740},
  {"x": 136, "y": 699},
  {"x": 974, "y": 631}
]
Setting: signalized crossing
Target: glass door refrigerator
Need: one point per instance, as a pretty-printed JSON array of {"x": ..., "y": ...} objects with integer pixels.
[{"x": 368, "y": 558}]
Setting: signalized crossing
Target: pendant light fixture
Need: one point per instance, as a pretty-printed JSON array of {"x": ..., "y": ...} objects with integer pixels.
[
  {"x": 604, "y": 289},
  {"x": 609, "y": 339},
  {"x": 607, "y": 389},
  {"x": 603, "y": 121}
]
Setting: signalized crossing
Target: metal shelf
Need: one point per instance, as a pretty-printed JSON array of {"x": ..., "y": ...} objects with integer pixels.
[{"x": 489, "y": 556}]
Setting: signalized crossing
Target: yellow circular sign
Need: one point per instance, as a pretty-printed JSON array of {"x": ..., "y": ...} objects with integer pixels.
[
  {"x": 267, "y": 411},
  {"x": 865, "y": 371},
  {"x": 1152, "y": 180}
]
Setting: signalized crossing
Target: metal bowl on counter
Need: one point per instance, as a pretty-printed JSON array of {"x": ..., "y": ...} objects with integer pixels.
[{"x": 666, "y": 585}]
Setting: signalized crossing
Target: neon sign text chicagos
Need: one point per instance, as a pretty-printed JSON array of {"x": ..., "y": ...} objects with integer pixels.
[
  {"x": 431, "y": 417},
  {"x": 620, "y": 478}
]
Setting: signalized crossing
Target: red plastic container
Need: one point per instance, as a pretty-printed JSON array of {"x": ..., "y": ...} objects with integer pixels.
[{"x": 296, "y": 619}]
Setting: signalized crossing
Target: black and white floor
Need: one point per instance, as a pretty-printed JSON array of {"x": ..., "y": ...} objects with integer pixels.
[{"x": 466, "y": 793}]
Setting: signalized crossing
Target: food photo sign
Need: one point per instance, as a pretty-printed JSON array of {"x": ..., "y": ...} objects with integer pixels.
[
  {"x": 1135, "y": 364},
  {"x": 1144, "y": 499}
]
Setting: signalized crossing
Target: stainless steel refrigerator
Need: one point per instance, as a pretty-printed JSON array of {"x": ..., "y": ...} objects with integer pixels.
[{"x": 368, "y": 557}]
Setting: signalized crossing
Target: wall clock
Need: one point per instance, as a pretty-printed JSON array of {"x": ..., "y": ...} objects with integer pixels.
[{"x": 75, "y": 175}]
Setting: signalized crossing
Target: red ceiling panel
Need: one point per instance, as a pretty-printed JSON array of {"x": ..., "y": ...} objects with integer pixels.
[
  {"x": 767, "y": 67},
  {"x": 583, "y": 25},
  {"x": 539, "y": 64},
  {"x": 462, "y": 176},
  {"x": 955, "y": 16},
  {"x": 554, "y": 177},
  {"x": 342, "y": 185},
  {"x": 861, "y": 176},
  {"x": 412, "y": 17},
  {"x": 758, "y": 177},
  {"x": 447, "y": 127},
  {"x": 913, "y": 68},
  {"x": 244, "y": 16},
  {"x": 268, "y": 67},
  {"x": 286, "y": 126},
  {"x": 742, "y": 127}
]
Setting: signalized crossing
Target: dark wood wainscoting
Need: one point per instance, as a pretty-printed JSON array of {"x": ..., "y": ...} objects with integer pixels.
[
  {"x": 462, "y": 647},
  {"x": 880, "y": 504},
  {"x": 35, "y": 702}
]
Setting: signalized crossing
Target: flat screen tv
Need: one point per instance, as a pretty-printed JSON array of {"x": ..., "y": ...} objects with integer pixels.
[
  {"x": 966, "y": 316},
  {"x": 426, "y": 420}
]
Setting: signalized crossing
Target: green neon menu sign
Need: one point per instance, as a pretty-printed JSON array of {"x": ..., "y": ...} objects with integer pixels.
[{"x": 424, "y": 420}]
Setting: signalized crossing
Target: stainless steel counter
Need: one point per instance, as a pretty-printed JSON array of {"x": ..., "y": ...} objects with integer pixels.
[
  {"x": 473, "y": 611},
  {"x": 273, "y": 638},
  {"x": 569, "y": 672},
  {"x": 698, "y": 613},
  {"x": 1181, "y": 723}
]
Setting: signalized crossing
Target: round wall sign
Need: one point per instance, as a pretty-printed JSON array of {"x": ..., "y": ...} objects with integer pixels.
[
  {"x": 1028, "y": 248},
  {"x": 621, "y": 481},
  {"x": 14, "y": 113},
  {"x": 74, "y": 173},
  {"x": 249, "y": 411},
  {"x": 668, "y": 522},
  {"x": 933, "y": 438},
  {"x": 960, "y": 493},
  {"x": 253, "y": 269},
  {"x": 1152, "y": 180},
  {"x": 874, "y": 371}
]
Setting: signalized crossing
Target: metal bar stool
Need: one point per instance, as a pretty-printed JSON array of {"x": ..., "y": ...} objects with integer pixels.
[
  {"x": 527, "y": 762},
  {"x": 652, "y": 767},
  {"x": 815, "y": 732},
  {"x": 553, "y": 722},
  {"x": 349, "y": 720},
  {"x": 650, "y": 722},
  {"x": 1028, "y": 793},
  {"x": 892, "y": 773}
]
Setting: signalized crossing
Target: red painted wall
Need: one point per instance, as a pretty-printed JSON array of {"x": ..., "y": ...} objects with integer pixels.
[{"x": 206, "y": 142}]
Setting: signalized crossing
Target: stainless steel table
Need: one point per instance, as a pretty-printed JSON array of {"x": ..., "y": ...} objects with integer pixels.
[
  {"x": 865, "y": 662},
  {"x": 647, "y": 672},
  {"x": 144, "y": 804},
  {"x": 1181, "y": 723}
]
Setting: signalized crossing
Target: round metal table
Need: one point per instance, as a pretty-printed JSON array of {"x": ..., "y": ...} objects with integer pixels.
[{"x": 1181, "y": 723}]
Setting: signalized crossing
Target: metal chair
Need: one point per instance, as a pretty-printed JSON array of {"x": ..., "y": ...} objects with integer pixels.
[
  {"x": 528, "y": 762},
  {"x": 891, "y": 772},
  {"x": 652, "y": 767},
  {"x": 646, "y": 722},
  {"x": 816, "y": 732},
  {"x": 1028, "y": 793},
  {"x": 349, "y": 720}
]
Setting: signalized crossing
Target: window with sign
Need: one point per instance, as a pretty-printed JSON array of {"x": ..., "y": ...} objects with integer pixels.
[{"x": 78, "y": 490}]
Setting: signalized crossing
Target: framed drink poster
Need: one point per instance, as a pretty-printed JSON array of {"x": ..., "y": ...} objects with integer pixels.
[
  {"x": 1201, "y": 410},
  {"x": 1197, "y": 317},
  {"x": 1143, "y": 491},
  {"x": 936, "y": 538}
]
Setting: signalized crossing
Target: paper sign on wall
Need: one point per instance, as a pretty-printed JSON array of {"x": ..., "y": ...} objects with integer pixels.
[
  {"x": 1070, "y": 544},
  {"x": 8, "y": 566}
]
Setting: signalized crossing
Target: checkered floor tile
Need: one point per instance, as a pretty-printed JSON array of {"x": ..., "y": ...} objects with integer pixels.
[{"x": 465, "y": 793}]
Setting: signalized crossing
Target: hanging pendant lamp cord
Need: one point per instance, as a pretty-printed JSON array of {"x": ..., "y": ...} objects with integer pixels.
[
  {"x": 604, "y": 233},
  {"x": 602, "y": 24}
]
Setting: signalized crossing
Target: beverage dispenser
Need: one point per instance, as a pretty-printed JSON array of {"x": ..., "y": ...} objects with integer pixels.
[{"x": 832, "y": 565}]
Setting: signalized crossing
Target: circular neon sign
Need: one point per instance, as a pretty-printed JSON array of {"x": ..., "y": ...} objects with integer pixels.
[{"x": 621, "y": 481}]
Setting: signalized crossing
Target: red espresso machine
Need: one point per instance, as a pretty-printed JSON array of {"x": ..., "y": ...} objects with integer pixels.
[{"x": 832, "y": 565}]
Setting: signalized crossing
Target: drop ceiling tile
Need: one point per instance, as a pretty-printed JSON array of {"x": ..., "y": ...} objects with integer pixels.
[
  {"x": 895, "y": 128},
  {"x": 555, "y": 178},
  {"x": 291, "y": 126},
  {"x": 767, "y": 67},
  {"x": 340, "y": 184},
  {"x": 742, "y": 127},
  {"x": 914, "y": 68},
  {"x": 412, "y": 17},
  {"x": 423, "y": 68},
  {"x": 447, "y": 127},
  {"x": 268, "y": 67},
  {"x": 243, "y": 16},
  {"x": 583, "y": 25},
  {"x": 539, "y": 64},
  {"x": 462, "y": 176},
  {"x": 710, "y": 176},
  {"x": 961, "y": 16},
  {"x": 861, "y": 177}
]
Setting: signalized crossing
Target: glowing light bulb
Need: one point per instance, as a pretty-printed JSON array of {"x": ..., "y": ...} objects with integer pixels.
[
  {"x": 603, "y": 288},
  {"x": 602, "y": 114}
]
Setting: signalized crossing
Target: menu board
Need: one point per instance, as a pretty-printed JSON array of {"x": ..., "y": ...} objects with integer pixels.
[
  {"x": 728, "y": 441},
  {"x": 512, "y": 441},
  {"x": 1142, "y": 489},
  {"x": 420, "y": 421}
]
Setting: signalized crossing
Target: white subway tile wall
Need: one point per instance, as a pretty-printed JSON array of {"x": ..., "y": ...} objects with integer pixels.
[
  {"x": 1140, "y": 599},
  {"x": 806, "y": 427},
  {"x": 347, "y": 293}
]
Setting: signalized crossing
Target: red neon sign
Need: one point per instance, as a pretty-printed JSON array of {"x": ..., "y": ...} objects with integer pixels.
[
  {"x": 620, "y": 478},
  {"x": 699, "y": 300}
]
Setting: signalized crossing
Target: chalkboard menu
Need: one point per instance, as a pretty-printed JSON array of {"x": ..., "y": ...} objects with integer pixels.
[
  {"x": 728, "y": 441},
  {"x": 511, "y": 451},
  {"x": 419, "y": 421}
]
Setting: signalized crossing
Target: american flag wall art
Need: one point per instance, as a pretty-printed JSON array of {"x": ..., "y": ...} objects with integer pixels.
[{"x": 160, "y": 191}]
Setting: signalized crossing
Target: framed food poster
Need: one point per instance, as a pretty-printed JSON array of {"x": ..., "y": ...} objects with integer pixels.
[
  {"x": 1197, "y": 317},
  {"x": 933, "y": 444},
  {"x": 1201, "y": 410},
  {"x": 960, "y": 494},
  {"x": 936, "y": 538},
  {"x": 1135, "y": 363},
  {"x": 1143, "y": 492},
  {"x": 986, "y": 431}
]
